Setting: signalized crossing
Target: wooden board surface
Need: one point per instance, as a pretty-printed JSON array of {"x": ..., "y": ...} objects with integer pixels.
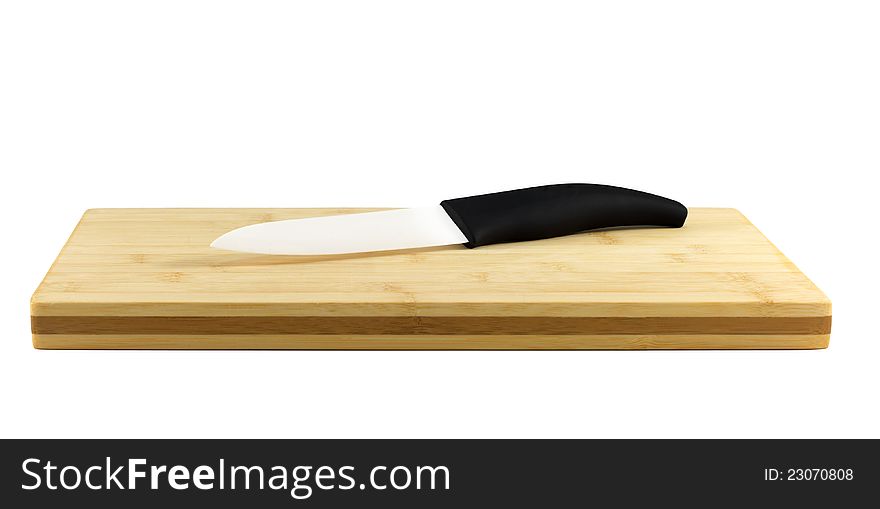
[{"x": 146, "y": 278}]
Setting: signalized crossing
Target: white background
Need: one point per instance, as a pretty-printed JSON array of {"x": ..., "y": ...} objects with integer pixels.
[{"x": 772, "y": 107}]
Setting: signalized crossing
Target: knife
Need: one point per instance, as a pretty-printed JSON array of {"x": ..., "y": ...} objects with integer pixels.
[{"x": 510, "y": 216}]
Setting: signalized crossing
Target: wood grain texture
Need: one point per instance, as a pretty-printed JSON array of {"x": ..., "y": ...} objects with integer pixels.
[{"x": 146, "y": 278}]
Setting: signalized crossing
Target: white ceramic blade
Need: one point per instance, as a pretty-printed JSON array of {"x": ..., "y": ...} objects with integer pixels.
[{"x": 347, "y": 233}]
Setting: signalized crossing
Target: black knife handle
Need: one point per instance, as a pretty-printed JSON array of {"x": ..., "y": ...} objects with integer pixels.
[{"x": 556, "y": 210}]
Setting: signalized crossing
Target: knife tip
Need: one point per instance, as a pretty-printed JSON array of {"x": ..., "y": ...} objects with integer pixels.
[{"x": 218, "y": 243}]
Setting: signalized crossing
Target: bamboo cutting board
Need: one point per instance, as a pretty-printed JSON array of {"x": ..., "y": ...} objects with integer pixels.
[{"x": 146, "y": 278}]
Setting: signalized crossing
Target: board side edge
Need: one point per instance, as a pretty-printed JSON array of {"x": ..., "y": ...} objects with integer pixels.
[{"x": 492, "y": 342}]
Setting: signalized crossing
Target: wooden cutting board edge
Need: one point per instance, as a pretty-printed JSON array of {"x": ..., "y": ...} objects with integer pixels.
[{"x": 437, "y": 342}]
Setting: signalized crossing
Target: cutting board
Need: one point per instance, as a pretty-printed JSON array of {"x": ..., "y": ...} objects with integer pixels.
[{"x": 146, "y": 278}]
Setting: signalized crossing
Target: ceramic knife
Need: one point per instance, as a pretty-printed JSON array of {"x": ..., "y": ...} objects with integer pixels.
[{"x": 510, "y": 216}]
